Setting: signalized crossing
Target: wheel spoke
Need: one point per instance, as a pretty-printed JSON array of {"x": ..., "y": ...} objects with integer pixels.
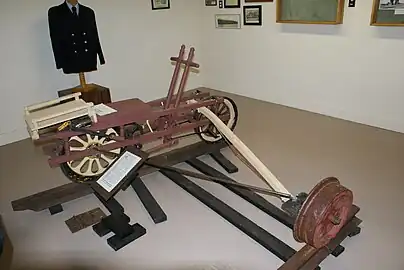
[
  {"x": 90, "y": 166},
  {"x": 82, "y": 148},
  {"x": 211, "y": 132},
  {"x": 107, "y": 159},
  {"x": 99, "y": 164},
  {"x": 89, "y": 139},
  {"x": 216, "y": 131},
  {"x": 82, "y": 163},
  {"x": 79, "y": 140},
  {"x": 223, "y": 109},
  {"x": 116, "y": 151}
]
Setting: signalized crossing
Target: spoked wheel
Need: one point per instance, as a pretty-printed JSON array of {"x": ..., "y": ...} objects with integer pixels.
[
  {"x": 227, "y": 111},
  {"x": 88, "y": 168}
]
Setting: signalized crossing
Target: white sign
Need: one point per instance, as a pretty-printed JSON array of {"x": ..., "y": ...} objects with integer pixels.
[
  {"x": 118, "y": 171},
  {"x": 102, "y": 109}
]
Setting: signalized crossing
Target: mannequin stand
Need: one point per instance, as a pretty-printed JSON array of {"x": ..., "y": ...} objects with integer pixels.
[
  {"x": 84, "y": 87},
  {"x": 89, "y": 92}
]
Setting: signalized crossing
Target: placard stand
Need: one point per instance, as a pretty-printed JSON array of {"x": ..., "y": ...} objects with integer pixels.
[
  {"x": 118, "y": 223},
  {"x": 118, "y": 177}
]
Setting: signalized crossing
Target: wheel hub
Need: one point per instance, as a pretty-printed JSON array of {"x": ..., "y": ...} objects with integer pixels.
[{"x": 323, "y": 213}]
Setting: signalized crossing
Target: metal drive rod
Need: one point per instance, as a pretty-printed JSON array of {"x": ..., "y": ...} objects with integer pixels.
[
  {"x": 271, "y": 180},
  {"x": 221, "y": 180},
  {"x": 211, "y": 178}
]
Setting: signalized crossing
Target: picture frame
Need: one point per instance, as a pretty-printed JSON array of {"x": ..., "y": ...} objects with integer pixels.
[
  {"x": 232, "y": 3},
  {"x": 310, "y": 11},
  {"x": 228, "y": 21},
  {"x": 210, "y": 3},
  {"x": 387, "y": 13},
  {"x": 257, "y": 1},
  {"x": 252, "y": 15},
  {"x": 160, "y": 4}
]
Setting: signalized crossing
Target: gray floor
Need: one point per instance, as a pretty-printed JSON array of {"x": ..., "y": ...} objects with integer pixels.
[{"x": 300, "y": 148}]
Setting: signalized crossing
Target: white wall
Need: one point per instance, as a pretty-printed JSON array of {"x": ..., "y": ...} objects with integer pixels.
[
  {"x": 351, "y": 71},
  {"x": 137, "y": 44}
]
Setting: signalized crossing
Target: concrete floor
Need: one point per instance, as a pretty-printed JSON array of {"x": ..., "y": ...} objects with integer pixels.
[{"x": 300, "y": 148}]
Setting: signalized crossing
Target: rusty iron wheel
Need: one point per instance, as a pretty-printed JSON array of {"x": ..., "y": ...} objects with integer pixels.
[{"x": 323, "y": 214}]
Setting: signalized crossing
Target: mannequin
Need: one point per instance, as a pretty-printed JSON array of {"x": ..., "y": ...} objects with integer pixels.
[
  {"x": 73, "y": 2},
  {"x": 74, "y": 37}
]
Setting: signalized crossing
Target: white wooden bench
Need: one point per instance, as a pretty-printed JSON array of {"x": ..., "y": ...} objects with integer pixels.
[{"x": 57, "y": 111}]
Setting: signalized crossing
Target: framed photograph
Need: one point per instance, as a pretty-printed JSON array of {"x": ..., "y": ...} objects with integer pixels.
[
  {"x": 310, "y": 11},
  {"x": 252, "y": 15},
  {"x": 160, "y": 4},
  {"x": 257, "y": 1},
  {"x": 232, "y": 4},
  {"x": 211, "y": 3},
  {"x": 228, "y": 21},
  {"x": 387, "y": 13}
]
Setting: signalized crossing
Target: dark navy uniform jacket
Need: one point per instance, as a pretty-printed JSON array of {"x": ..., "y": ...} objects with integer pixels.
[{"x": 75, "y": 40}]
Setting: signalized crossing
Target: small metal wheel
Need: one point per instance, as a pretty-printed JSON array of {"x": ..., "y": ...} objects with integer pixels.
[
  {"x": 323, "y": 214},
  {"x": 209, "y": 133},
  {"x": 89, "y": 167}
]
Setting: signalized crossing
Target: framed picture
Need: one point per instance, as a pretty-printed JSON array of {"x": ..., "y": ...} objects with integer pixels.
[
  {"x": 210, "y": 2},
  {"x": 228, "y": 21},
  {"x": 387, "y": 13},
  {"x": 160, "y": 4},
  {"x": 232, "y": 3},
  {"x": 310, "y": 11},
  {"x": 252, "y": 15},
  {"x": 257, "y": 1}
]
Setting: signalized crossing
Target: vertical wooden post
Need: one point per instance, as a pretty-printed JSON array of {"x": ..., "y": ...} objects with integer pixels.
[
  {"x": 84, "y": 87},
  {"x": 82, "y": 80}
]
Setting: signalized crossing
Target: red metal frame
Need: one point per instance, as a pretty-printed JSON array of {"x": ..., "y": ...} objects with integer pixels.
[{"x": 167, "y": 117}]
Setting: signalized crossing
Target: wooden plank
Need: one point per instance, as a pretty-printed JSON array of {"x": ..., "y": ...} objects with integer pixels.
[
  {"x": 257, "y": 233},
  {"x": 69, "y": 192},
  {"x": 250, "y": 196},
  {"x": 309, "y": 258},
  {"x": 224, "y": 162},
  {"x": 253, "y": 198},
  {"x": 149, "y": 202},
  {"x": 46, "y": 199},
  {"x": 323, "y": 253},
  {"x": 246, "y": 152},
  {"x": 84, "y": 220}
]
